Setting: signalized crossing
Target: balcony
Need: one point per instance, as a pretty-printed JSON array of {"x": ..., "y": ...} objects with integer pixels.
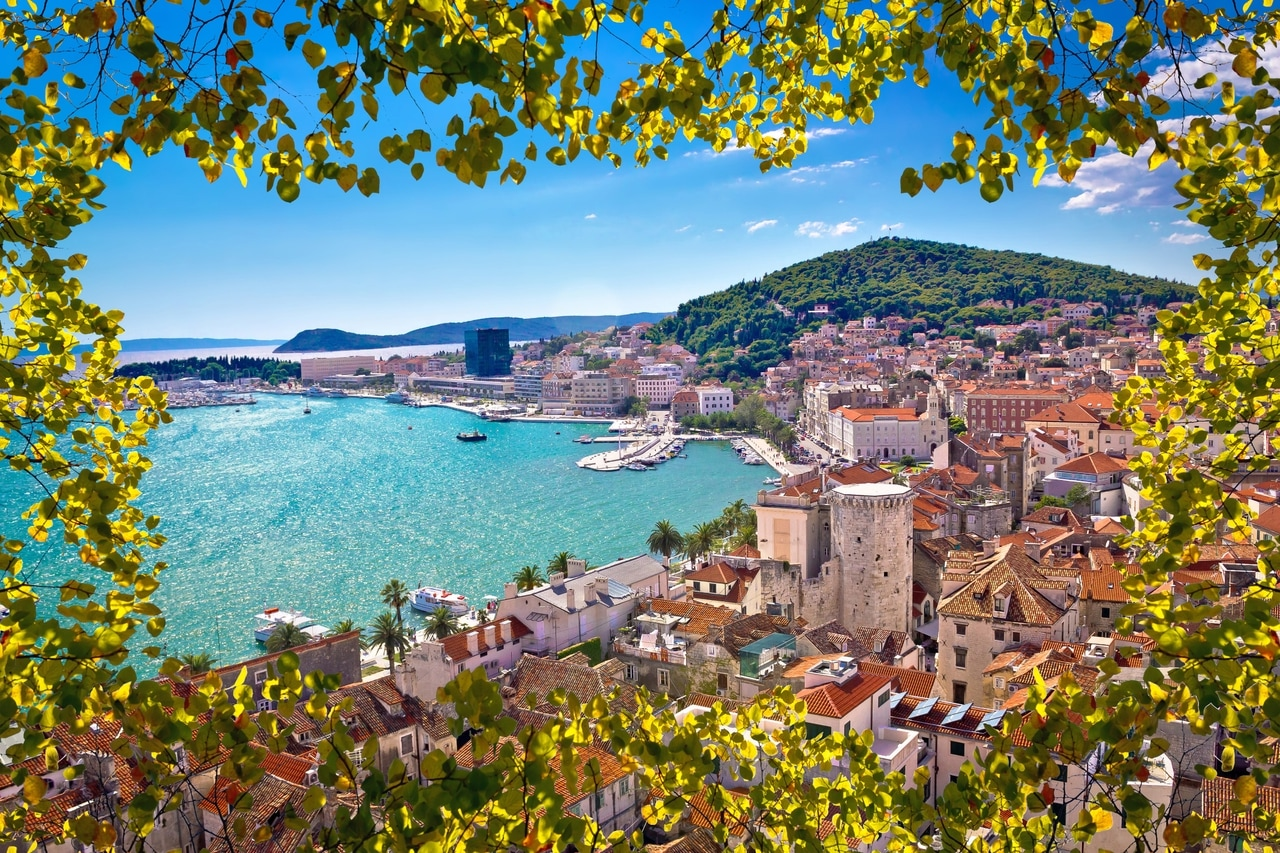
[
  {"x": 894, "y": 747},
  {"x": 658, "y": 653}
]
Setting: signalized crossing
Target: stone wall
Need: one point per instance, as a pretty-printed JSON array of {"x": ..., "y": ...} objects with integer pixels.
[{"x": 872, "y": 554}]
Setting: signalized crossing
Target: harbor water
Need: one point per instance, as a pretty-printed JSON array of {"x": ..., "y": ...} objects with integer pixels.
[{"x": 267, "y": 506}]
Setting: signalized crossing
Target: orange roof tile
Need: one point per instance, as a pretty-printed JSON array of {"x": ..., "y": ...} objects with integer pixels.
[
  {"x": 836, "y": 700},
  {"x": 457, "y": 648}
]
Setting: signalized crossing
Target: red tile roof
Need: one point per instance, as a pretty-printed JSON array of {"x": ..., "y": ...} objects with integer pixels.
[
  {"x": 837, "y": 700},
  {"x": 456, "y": 648},
  {"x": 1064, "y": 413},
  {"x": 1094, "y": 463},
  {"x": 715, "y": 573}
]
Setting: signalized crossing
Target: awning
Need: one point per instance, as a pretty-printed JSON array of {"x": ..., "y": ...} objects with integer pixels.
[{"x": 929, "y": 629}]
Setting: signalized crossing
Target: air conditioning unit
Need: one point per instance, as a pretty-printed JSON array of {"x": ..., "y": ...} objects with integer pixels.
[{"x": 722, "y": 692}]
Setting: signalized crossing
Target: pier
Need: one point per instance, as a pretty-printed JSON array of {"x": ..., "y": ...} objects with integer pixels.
[{"x": 651, "y": 450}]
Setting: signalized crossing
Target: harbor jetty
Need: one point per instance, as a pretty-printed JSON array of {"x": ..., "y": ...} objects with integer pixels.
[{"x": 642, "y": 453}]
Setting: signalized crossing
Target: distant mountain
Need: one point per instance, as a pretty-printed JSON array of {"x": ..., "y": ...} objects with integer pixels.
[
  {"x": 148, "y": 344},
  {"x": 522, "y": 329},
  {"x": 942, "y": 284},
  {"x": 159, "y": 344}
]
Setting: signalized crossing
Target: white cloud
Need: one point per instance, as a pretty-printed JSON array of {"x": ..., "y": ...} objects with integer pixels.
[
  {"x": 1114, "y": 182},
  {"x": 799, "y": 173},
  {"x": 1177, "y": 82},
  {"x": 753, "y": 227},
  {"x": 890, "y": 227},
  {"x": 589, "y": 216},
  {"x": 818, "y": 228},
  {"x": 1184, "y": 239},
  {"x": 683, "y": 229},
  {"x": 731, "y": 148}
]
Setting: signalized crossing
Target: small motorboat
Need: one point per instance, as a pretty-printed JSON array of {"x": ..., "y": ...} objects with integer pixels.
[{"x": 474, "y": 435}]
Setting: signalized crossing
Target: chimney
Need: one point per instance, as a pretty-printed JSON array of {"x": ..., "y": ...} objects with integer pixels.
[
  {"x": 570, "y": 600},
  {"x": 989, "y": 546},
  {"x": 491, "y": 635},
  {"x": 576, "y": 567},
  {"x": 1033, "y": 549},
  {"x": 505, "y": 626},
  {"x": 510, "y": 590},
  {"x": 473, "y": 642},
  {"x": 556, "y": 578},
  {"x": 589, "y": 593}
]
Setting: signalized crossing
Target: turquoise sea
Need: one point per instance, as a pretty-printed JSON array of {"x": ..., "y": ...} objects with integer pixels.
[{"x": 266, "y": 506}]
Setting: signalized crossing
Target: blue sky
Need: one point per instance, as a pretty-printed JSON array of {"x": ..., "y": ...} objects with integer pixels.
[{"x": 182, "y": 257}]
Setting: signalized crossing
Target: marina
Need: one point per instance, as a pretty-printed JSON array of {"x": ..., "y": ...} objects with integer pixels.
[
  {"x": 641, "y": 454},
  {"x": 267, "y": 506}
]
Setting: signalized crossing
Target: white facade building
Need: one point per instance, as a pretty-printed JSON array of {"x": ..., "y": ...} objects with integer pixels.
[
  {"x": 716, "y": 399},
  {"x": 658, "y": 389}
]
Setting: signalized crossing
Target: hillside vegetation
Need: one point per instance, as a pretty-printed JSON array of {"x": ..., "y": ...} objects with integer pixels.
[
  {"x": 940, "y": 283},
  {"x": 522, "y": 329}
]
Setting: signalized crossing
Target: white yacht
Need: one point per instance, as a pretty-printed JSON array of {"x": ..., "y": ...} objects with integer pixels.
[
  {"x": 397, "y": 397},
  {"x": 315, "y": 391},
  {"x": 272, "y": 618},
  {"x": 427, "y": 599}
]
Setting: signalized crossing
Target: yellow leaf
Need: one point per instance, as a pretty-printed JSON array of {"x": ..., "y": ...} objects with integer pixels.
[
  {"x": 34, "y": 63},
  {"x": 1101, "y": 34},
  {"x": 1246, "y": 789},
  {"x": 33, "y": 788},
  {"x": 1245, "y": 63},
  {"x": 932, "y": 178}
]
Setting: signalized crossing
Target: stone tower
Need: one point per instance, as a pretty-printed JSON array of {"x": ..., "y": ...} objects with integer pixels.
[{"x": 871, "y": 552}]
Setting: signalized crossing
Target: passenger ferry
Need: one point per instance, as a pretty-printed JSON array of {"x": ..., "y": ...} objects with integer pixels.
[
  {"x": 427, "y": 599},
  {"x": 272, "y": 618}
]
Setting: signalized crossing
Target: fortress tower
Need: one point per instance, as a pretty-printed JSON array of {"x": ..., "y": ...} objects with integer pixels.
[{"x": 871, "y": 552}]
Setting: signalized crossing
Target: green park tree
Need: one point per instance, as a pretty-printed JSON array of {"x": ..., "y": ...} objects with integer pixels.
[
  {"x": 529, "y": 577},
  {"x": 666, "y": 540},
  {"x": 1180, "y": 87}
]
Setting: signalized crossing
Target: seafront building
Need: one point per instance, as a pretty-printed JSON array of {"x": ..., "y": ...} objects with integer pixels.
[
  {"x": 322, "y": 367},
  {"x": 488, "y": 352}
]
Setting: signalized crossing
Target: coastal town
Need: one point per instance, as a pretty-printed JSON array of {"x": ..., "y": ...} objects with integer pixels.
[{"x": 942, "y": 537}]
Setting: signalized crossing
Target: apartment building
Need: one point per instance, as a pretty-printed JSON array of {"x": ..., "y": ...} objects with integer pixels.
[{"x": 1007, "y": 409}]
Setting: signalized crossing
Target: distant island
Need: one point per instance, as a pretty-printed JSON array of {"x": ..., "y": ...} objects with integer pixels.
[
  {"x": 522, "y": 329},
  {"x": 160, "y": 344}
]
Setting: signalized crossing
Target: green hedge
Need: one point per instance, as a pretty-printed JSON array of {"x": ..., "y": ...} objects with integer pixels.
[{"x": 591, "y": 648}]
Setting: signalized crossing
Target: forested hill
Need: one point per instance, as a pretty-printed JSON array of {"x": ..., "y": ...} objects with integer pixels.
[
  {"x": 942, "y": 283},
  {"x": 521, "y": 329}
]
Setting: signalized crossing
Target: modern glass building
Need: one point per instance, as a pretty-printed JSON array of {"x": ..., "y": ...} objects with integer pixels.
[{"x": 488, "y": 352}]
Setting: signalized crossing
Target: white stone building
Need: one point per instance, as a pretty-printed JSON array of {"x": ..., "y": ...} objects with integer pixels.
[
  {"x": 887, "y": 433},
  {"x": 657, "y": 388},
  {"x": 714, "y": 399},
  {"x": 579, "y": 605}
]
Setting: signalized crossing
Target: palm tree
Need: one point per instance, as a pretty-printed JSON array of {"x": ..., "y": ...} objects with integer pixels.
[
  {"x": 345, "y": 625},
  {"x": 396, "y": 595},
  {"x": 529, "y": 577},
  {"x": 665, "y": 540},
  {"x": 746, "y": 535},
  {"x": 286, "y": 636},
  {"x": 198, "y": 663},
  {"x": 742, "y": 514},
  {"x": 441, "y": 623},
  {"x": 701, "y": 540},
  {"x": 560, "y": 562},
  {"x": 388, "y": 632}
]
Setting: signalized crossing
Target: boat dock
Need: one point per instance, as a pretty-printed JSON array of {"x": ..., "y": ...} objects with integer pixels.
[
  {"x": 649, "y": 450},
  {"x": 773, "y": 457}
]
